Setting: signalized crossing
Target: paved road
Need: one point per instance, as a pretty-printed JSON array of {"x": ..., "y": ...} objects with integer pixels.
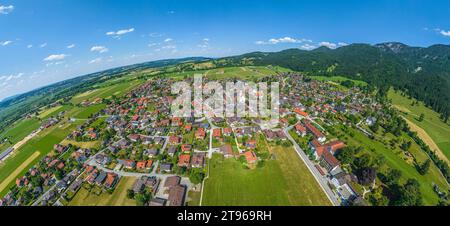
[{"x": 323, "y": 182}]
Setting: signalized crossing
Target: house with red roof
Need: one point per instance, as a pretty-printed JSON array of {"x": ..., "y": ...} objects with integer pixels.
[
  {"x": 200, "y": 133},
  {"x": 250, "y": 156},
  {"x": 217, "y": 133},
  {"x": 186, "y": 147},
  {"x": 317, "y": 134},
  {"x": 227, "y": 131},
  {"x": 300, "y": 129},
  {"x": 174, "y": 140},
  {"x": 184, "y": 160},
  {"x": 300, "y": 112}
]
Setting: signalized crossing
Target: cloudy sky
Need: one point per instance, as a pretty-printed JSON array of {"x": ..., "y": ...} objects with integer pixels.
[{"x": 46, "y": 41}]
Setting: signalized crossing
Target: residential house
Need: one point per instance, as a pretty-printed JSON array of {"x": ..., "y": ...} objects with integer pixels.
[
  {"x": 176, "y": 195},
  {"x": 250, "y": 156},
  {"x": 184, "y": 160},
  {"x": 200, "y": 133},
  {"x": 300, "y": 129},
  {"x": 166, "y": 167},
  {"x": 317, "y": 134},
  {"x": 227, "y": 150},
  {"x": 198, "y": 160}
]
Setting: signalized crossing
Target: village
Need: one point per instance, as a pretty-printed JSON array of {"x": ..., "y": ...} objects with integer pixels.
[{"x": 169, "y": 155}]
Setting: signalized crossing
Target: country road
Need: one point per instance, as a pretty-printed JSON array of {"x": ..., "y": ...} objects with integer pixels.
[{"x": 319, "y": 178}]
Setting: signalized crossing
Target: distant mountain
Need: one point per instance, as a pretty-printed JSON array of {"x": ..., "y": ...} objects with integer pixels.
[{"x": 422, "y": 72}]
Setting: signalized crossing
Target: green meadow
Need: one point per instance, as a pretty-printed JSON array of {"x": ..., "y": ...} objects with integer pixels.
[
  {"x": 284, "y": 181},
  {"x": 431, "y": 124}
]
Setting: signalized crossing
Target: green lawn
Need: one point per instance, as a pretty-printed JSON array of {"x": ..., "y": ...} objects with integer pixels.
[
  {"x": 118, "y": 198},
  {"x": 433, "y": 126},
  {"x": 284, "y": 181}
]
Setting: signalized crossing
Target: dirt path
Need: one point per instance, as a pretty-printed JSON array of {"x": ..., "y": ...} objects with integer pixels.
[
  {"x": 427, "y": 139},
  {"x": 19, "y": 169}
]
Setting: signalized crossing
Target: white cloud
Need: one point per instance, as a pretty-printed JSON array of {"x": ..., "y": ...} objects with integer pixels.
[
  {"x": 169, "y": 47},
  {"x": 96, "y": 60},
  {"x": 29, "y": 46},
  {"x": 118, "y": 33},
  {"x": 43, "y": 45},
  {"x": 342, "y": 44},
  {"x": 328, "y": 44},
  {"x": 71, "y": 46},
  {"x": 152, "y": 44},
  {"x": 204, "y": 44},
  {"x": 56, "y": 57},
  {"x": 6, "y": 9},
  {"x": 7, "y": 78},
  {"x": 445, "y": 33},
  {"x": 274, "y": 41},
  {"x": 100, "y": 49},
  {"x": 155, "y": 35},
  {"x": 5, "y": 43},
  {"x": 307, "y": 46},
  {"x": 168, "y": 40}
]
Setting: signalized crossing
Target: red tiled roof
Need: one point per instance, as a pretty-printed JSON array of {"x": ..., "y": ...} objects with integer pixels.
[
  {"x": 217, "y": 132},
  {"x": 250, "y": 156},
  {"x": 184, "y": 160},
  {"x": 300, "y": 112},
  {"x": 313, "y": 130}
]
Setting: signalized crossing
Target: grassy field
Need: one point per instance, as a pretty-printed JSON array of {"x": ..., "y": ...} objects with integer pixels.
[
  {"x": 284, "y": 181},
  {"x": 18, "y": 131},
  {"x": 87, "y": 144},
  {"x": 247, "y": 72},
  {"x": 11, "y": 177},
  {"x": 337, "y": 79},
  {"x": 107, "y": 91},
  {"x": 43, "y": 142},
  {"x": 435, "y": 128},
  {"x": 24, "y": 127},
  {"x": 395, "y": 160},
  {"x": 117, "y": 198}
]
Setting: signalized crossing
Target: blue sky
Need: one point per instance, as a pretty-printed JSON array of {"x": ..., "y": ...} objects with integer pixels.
[{"x": 45, "y": 41}]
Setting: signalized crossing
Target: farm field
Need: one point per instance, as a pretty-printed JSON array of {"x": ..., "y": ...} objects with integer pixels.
[
  {"x": 11, "y": 177},
  {"x": 43, "y": 143},
  {"x": 117, "y": 198},
  {"x": 395, "y": 161},
  {"x": 278, "y": 182},
  {"x": 105, "y": 92},
  {"x": 434, "y": 127},
  {"x": 247, "y": 72},
  {"x": 24, "y": 127},
  {"x": 337, "y": 79}
]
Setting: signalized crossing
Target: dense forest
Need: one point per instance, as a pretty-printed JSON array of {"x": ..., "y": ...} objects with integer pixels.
[{"x": 423, "y": 73}]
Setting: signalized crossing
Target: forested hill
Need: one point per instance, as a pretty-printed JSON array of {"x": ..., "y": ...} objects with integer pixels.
[{"x": 423, "y": 72}]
